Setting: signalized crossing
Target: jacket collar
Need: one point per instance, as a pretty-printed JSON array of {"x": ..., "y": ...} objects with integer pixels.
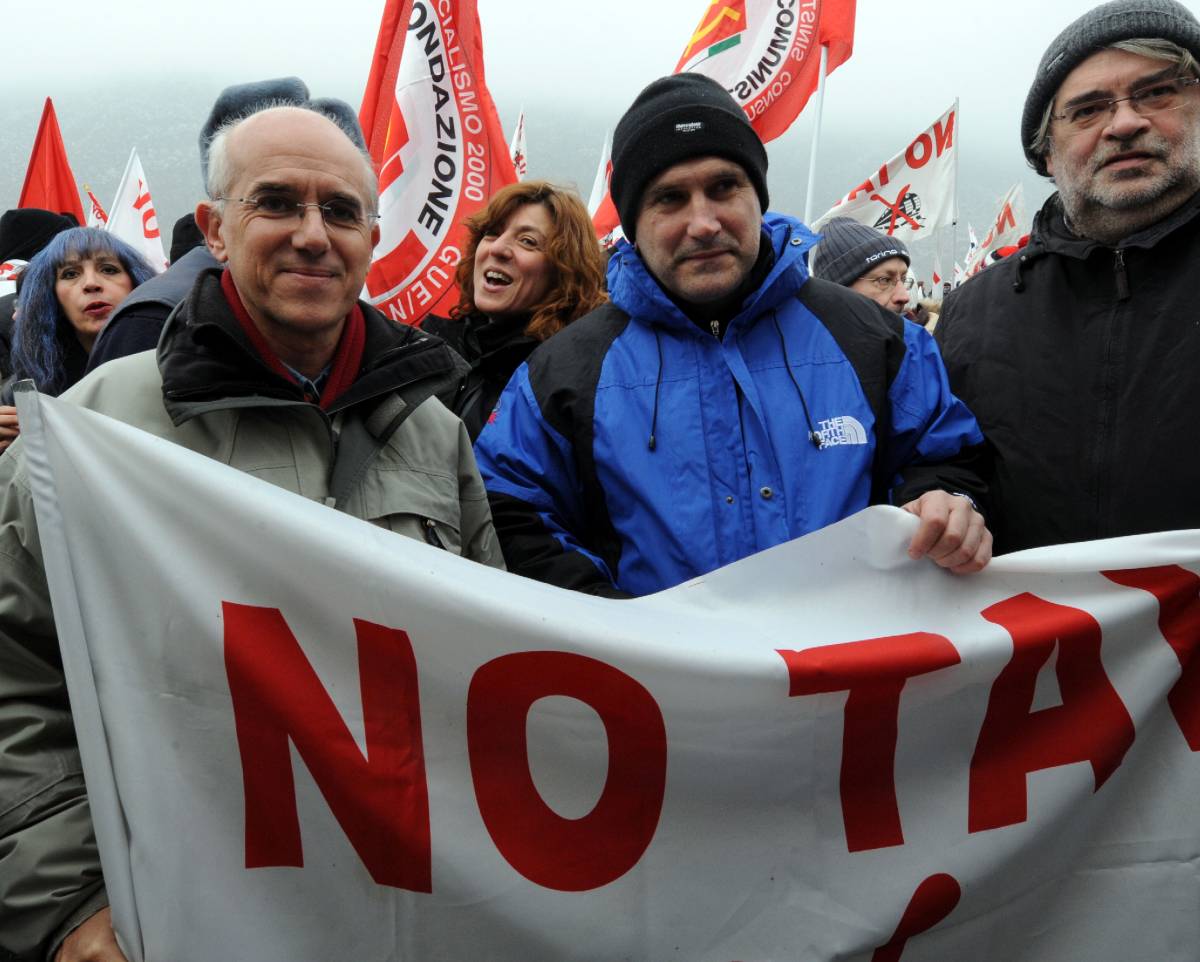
[
  {"x": 207, "y": 362},
  {"x": 1051, "y": 235},
  {"x": 635, "y": 291}
]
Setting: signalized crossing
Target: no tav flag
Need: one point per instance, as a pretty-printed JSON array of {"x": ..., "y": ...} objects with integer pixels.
[
  {"x": 827, "y": 751},
  {"x": 437, "y": 143},
  {"x": 912, "y": 194},
  {"x": 49, "y": 183}
]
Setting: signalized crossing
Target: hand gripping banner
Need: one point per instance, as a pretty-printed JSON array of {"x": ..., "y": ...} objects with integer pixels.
[{"x": 306, "y": 738}]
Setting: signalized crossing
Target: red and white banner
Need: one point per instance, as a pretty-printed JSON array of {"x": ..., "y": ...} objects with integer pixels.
[
  {"x": 912, "y": 194},
  {"x": 8, "y": 274},
  {"x": 605, "y": 220},
  {"x": 767, "y": 53},
  {"x": 436, "y": 140},
  {"x": 517, "y": 150},
  {"x": 312, "y": 739},
  {"x": 132, "y": 216},
  {"x": 49, "y": 182},
  {"x": 1005, "y": 231}
]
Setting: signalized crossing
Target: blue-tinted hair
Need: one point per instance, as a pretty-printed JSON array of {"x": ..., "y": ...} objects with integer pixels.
[{"x": 37, "y": 350}]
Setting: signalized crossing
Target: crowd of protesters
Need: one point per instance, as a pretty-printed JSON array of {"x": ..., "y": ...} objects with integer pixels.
[{"x": 731, "y": 382}]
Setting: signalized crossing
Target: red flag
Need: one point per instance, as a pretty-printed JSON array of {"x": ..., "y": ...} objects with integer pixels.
[
  {"x": 436, "y": 140},
  {"x": 49, "y": 183}
]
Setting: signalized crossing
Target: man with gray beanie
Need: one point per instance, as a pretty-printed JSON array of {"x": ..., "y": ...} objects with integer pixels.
[
  {"x": 864, "y": 260},
  {"x": 724, "y": 402},
  {"x": 1080, "y": 355}
]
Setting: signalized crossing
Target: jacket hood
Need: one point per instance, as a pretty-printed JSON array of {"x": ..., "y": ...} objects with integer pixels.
[
  {"x": 206, "y": 360},
  {"x": 634, "y": 290}
]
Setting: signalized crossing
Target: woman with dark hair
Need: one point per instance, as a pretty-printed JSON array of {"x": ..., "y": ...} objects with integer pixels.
[
  {"x": 532, "y": 265},
  {"x": 67, "y": 294}
]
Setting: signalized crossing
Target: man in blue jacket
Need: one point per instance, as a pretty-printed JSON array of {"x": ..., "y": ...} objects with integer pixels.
[{"x": 725, "y": 402}]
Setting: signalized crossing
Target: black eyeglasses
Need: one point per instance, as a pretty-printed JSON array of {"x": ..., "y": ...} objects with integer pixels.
[
  {"x": 1151, "y": 99},
  {"x": 342, "y": 214}
]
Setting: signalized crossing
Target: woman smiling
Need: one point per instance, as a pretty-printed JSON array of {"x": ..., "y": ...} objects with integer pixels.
[{"x": 532, "y": 265}]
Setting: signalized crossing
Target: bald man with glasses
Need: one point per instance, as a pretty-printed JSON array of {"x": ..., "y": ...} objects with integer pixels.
[
  {"x": 272, "y": 365},
  {"x": 1080, "y": 354}
]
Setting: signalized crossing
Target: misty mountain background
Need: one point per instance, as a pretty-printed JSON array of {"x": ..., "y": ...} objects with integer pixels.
[{"x": 103, "y": 120}]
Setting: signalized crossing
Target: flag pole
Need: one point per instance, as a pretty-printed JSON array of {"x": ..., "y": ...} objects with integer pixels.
[
  {"x": 957, "y": 152},
  {"x": 812, "y": 157}
]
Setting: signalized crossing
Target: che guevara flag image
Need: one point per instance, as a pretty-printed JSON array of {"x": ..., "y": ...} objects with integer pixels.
[
  {"x": 49, "y": 183},
  {"x": 436, "y": 140},
  {"x": 767, "y": 53}
]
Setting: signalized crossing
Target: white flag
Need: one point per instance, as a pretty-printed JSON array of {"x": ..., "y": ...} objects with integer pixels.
[
  {"x": 959, "y": 274},
  {"x": 972, "y": 242},
  {"x": 1005, "y": 231},
  {"x": 912, "y": 194},
  {"x": 516, "y": 148},
  {"x": 309, "y": 739},
  {"x": 132, "y": 216}
]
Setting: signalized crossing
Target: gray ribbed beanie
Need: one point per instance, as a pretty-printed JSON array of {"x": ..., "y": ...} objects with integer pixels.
[
  {"x": 1099, "y": 28},
  {"x": 849, "y": 249}
]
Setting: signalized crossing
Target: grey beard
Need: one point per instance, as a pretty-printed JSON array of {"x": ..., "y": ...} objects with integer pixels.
[{"x": 1089, "y": 217}]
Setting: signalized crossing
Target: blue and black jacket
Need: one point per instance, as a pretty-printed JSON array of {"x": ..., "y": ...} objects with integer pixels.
[{"x": 634, "y": 450}]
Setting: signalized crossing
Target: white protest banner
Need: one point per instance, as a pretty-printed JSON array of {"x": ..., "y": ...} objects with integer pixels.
[
  {"x": 131, "y": 215},
  {"x": 306, "y": 738},
  {"x": 912, "y": 194},
  {"x": 517, "y": 150},
  {"x": 433, "y": 132},
  {"x": 1005, "y": 229}
]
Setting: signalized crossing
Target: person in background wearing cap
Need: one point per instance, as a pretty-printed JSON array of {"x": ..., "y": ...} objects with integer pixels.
[
  {"x": 1080, "y": 353},
  {"x": 272, "y": 365},
  {"x": 23, "y": 232},
  {"x": 864, "y": 260},
  {"x": 725, "y": 402},
  {"x": 139, "y": 321}
]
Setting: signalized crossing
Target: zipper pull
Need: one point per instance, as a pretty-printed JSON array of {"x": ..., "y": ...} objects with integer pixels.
[
  {"x": 716, "y": 329},
  {"x": 1122, "y": 277},
  {"x": 431, "y": 535}
]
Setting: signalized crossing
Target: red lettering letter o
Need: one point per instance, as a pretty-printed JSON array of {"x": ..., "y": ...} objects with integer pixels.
[{"x": 569, "y": 855}]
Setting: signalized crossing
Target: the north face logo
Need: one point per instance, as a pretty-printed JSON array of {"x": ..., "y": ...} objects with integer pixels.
[{"x": 843, "y": 430}]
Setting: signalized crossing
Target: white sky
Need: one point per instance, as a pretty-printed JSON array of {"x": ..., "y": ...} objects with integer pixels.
[{"x": 561, "y": 57}]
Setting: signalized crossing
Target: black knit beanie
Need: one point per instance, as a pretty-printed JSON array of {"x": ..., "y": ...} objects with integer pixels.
[
  {"x": 26, "y": 230},
  {"x": 241, "y": 99},
  {"x": 678, "y": 118},
  {"x": 849, "y": 249},
  {"x": 1101, "y": 27}
]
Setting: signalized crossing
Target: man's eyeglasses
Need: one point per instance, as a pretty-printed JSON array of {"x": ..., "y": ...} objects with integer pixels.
[
  {"x": 885, "y": 282},
  {"x": 1151, "y": 99},
  {"x": 342, "y": 214}
]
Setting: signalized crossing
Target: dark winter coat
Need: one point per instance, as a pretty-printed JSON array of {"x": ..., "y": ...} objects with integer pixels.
[{"x": 1082, "y": 364}]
